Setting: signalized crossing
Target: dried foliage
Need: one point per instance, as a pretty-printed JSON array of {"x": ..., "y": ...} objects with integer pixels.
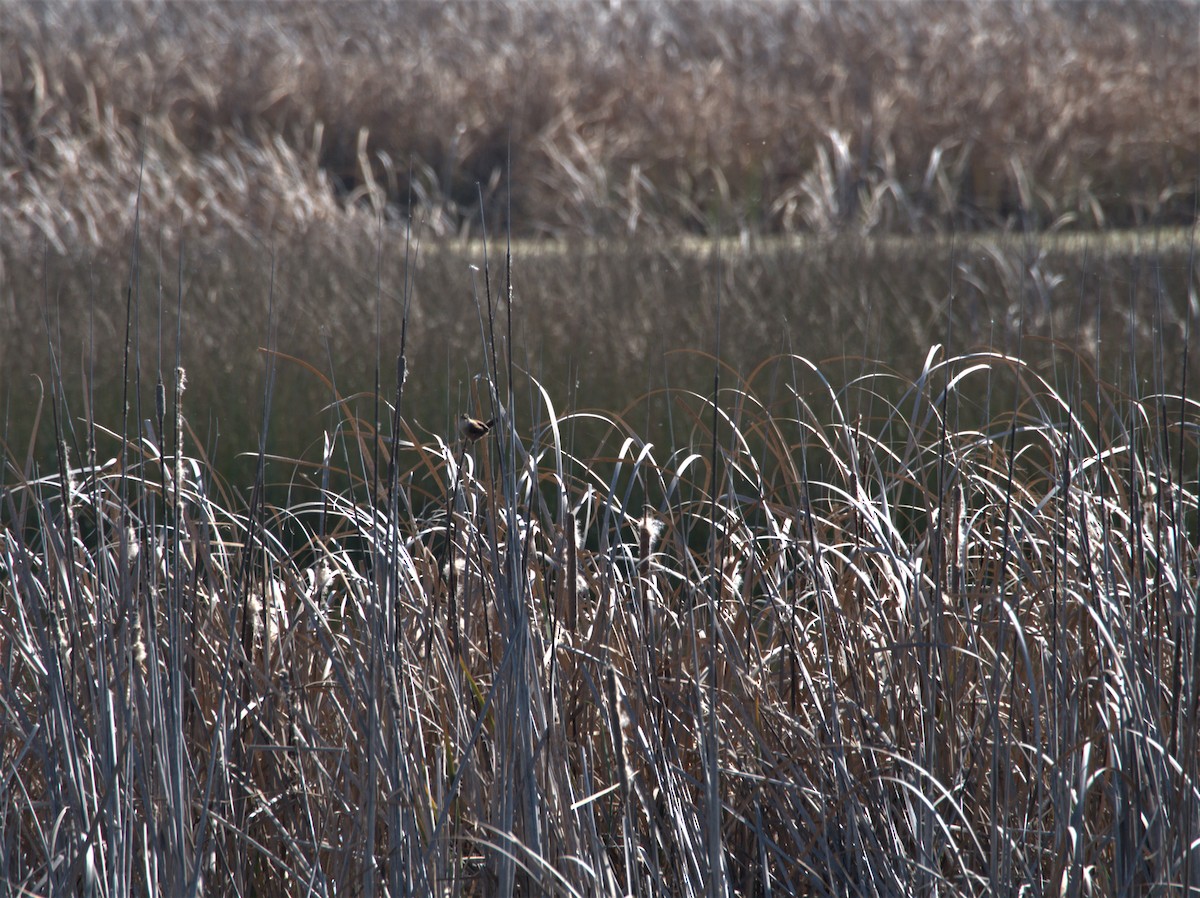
[
  {"x": 826, "y": 629},
  {"x": 269, "y": 119},
  {"x": 841, "y": 644}
]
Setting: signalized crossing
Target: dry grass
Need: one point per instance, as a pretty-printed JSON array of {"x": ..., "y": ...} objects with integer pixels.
[
  {"x": 820, "y": 629},
  {"x": 766, "y": 117},
  {"x": 843, "y": 644}
]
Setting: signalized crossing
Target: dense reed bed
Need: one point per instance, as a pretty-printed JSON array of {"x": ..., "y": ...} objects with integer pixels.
[
  {"x": 865, "y": 618},
  {"x": 617, "y": 119},
  {"x": 251, "y": 156},
  {"x": 835, "y": 642}
]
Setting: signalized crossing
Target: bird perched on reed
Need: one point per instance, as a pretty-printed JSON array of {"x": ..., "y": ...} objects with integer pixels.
[{"x": 472, "y": 429}]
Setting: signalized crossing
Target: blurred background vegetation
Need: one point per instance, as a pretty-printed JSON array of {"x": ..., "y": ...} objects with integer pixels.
[{"x": 206, "y": 179}]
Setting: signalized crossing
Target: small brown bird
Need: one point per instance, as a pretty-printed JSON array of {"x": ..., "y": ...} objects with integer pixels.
[{"x": 472, "y": 429}]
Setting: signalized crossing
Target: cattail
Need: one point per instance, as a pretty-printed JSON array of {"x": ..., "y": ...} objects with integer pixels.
[
  {"x": 71, "y": 487},
  {"x": 139, "y": 642},
  {"x": 276, "y": 617},
  {"x": 322, "y": 576},
  {"x": 180, "y": 386},
  {"x": 649, "y": 530},
  {"x": 618, "y": 720},
  {"x": 160, "y": 401},
  {"x": 132, "y": 546},
  {"x": 254, "y": 607}
]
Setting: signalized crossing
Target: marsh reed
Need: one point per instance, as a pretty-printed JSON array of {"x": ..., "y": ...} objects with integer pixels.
[
  {"x": 889, "y": 590},
  {"x": 845, "y": 643}
]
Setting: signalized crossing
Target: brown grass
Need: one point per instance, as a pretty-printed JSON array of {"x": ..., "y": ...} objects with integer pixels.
[
  {"x": 767, "y": 117},
  {"x": 869, "y": 651},
  {"x": 853, "y": 627}
]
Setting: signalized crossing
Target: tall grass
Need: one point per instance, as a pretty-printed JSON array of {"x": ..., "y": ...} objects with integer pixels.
[
  {"x": 849, "y": 644},
  {"x": 622, "y": 119},
  {"x": 601, "y": 323},
  {"x": 264, "y": 146},
  {"x": 835, "y": 627}
]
